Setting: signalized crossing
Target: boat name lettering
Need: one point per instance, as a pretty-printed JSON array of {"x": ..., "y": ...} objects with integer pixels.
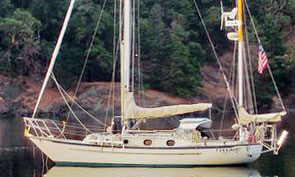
[{"x": 228, "y": 150}]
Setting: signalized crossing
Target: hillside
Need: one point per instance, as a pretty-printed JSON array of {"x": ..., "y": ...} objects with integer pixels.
[
  {"x": 95, "y": 95},
  {"x": 90, "y": 94},
  {"x": 177, "y": 63}
]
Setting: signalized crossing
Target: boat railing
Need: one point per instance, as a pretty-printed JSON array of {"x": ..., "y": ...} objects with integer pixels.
[{"x": 49, "y": 128}]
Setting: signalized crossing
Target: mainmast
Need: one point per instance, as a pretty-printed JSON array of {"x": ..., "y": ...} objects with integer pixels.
[
  {"x": 125, "y": 43},
  {"x": 240, "y": 51}
]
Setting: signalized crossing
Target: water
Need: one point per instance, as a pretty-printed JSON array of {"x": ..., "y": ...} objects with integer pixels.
[{"x": 19, "y": 159}]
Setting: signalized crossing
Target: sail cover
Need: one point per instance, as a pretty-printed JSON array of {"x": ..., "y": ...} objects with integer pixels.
[
  {"x": 246, "y": 118},
  {"x": 136, "y": 112}
]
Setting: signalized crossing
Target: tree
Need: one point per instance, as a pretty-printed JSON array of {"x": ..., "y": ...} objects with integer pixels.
[
  {"x": 6, "y": 8},
  {"x": 154, "y": 39},
  {"x": 21, "y": 3},
  {"x": 20, "y": 44},
  {"x": 77, "y": 42},
  {"x": 50, "y": 14},
  {"x": 179, "y": 72}
]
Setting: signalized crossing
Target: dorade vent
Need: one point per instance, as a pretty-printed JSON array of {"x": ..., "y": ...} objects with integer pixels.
[
  {"x": 147, "y": 142},
  {"x": 125, "y": 141},
  {"x": 170, "y": 143}
]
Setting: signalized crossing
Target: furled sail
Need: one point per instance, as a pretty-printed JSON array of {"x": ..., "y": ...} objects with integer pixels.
[
  {"x": 136, "y": 112},
  {"x": 246, "y": 118}
]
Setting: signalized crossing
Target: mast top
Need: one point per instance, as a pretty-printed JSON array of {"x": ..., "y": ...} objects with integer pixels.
[{"x": 240, "y": 19}]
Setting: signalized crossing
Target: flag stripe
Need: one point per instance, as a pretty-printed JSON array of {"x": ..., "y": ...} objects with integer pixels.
[{"x": 262, "y": 60}]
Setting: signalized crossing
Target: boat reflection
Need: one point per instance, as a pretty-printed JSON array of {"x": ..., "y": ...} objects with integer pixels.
[{"x": 153, "y": 172}]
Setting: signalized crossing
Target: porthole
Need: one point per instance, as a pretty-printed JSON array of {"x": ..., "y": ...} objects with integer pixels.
[
  {"x": 147, "y": 142},
  {"x": 125, "y": 141},
  {"x": 170, "y": 143}
]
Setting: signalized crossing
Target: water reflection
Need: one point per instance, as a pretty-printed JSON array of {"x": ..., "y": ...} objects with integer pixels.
[
  {"x": 153, "y": 172},
  {"x": 22, "y": 162}
]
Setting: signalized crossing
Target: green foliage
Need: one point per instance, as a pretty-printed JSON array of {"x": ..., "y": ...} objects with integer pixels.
[
  {"x": 174, "y": 45},
  {"x": 213, "y": 25},
  {"x": 180, "y": 70},
  {"x": 272, "y": 18},
  {"x": 77, "y": 42},
  {"x": 6, "y": 8},
  {"x": 170, "y": 42},
  {"x": 271, "y": 36},
  {"x": 21, "y": 3},
  {"x": 20, "y": 44},
  {"x": 50, "y": 14}
]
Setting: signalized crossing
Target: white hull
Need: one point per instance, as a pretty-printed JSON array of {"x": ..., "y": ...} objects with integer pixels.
[{"x": 77, "y": 153}]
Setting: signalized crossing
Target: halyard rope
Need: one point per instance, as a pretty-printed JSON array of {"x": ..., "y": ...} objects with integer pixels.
[
  {"x": 268, "y": 67},
  {"x": 233, "y": 100},
  {"x": 88, "y": 53}
]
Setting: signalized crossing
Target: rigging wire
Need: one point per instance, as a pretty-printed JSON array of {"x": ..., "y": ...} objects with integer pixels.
[
  {"x": 249, "y": 101},
  {"x": 68, "y": 105},
  {"x": 64, "y": 94},
  {"x": 142, "y": 101},
  {"x": 88, "y": 54},
  {"x": 233, "y": 100},
  {"x": 133, "y": 44},
  {"x": 141, "y": 98},
  {"x": 232, "y": 74},
  {"x": 43, "y": 163},
  {"x": 54, "y": 55},
  {"x": 252, "y": 21},
  {"x": 115, "y": 55},
  {"x": 246, "y": 63},
  {"x": 251, "y": 68},
  {"x": 247, "y": 85},
  {"x": 233, "y": 79},
  {"x": 268, "y": 67},
  {"x": 223, "y": 116},
  {"x": 113, "y": 85},
  {"x": 138, "y": 53},
  {"x": 140, "y": 78}
]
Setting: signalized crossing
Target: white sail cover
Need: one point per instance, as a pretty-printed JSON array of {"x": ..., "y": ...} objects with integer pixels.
[
  {"x": 246, "y": 118},
  {"x": 193, "y": 123},
  {"x": 136, "y": 112}
]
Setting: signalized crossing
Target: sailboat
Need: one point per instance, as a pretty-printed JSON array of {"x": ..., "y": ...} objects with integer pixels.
[{"x": 186, "y": 145}]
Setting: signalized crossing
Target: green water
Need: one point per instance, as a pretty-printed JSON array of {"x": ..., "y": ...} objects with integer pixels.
[{"x": 19, "y": 159}]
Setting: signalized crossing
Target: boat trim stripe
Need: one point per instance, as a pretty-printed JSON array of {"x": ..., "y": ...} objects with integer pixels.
[
  {"x": 106, "y": 146},
  {"x": 149, "y": 153},
  {"x": 87, "y": 164}
]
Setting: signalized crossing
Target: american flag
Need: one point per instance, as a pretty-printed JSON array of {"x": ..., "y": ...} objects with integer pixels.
[{"x": 262, "y": 61}]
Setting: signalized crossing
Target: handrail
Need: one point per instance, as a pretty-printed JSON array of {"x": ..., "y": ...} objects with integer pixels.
[{"x": 55, "y": 129}]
